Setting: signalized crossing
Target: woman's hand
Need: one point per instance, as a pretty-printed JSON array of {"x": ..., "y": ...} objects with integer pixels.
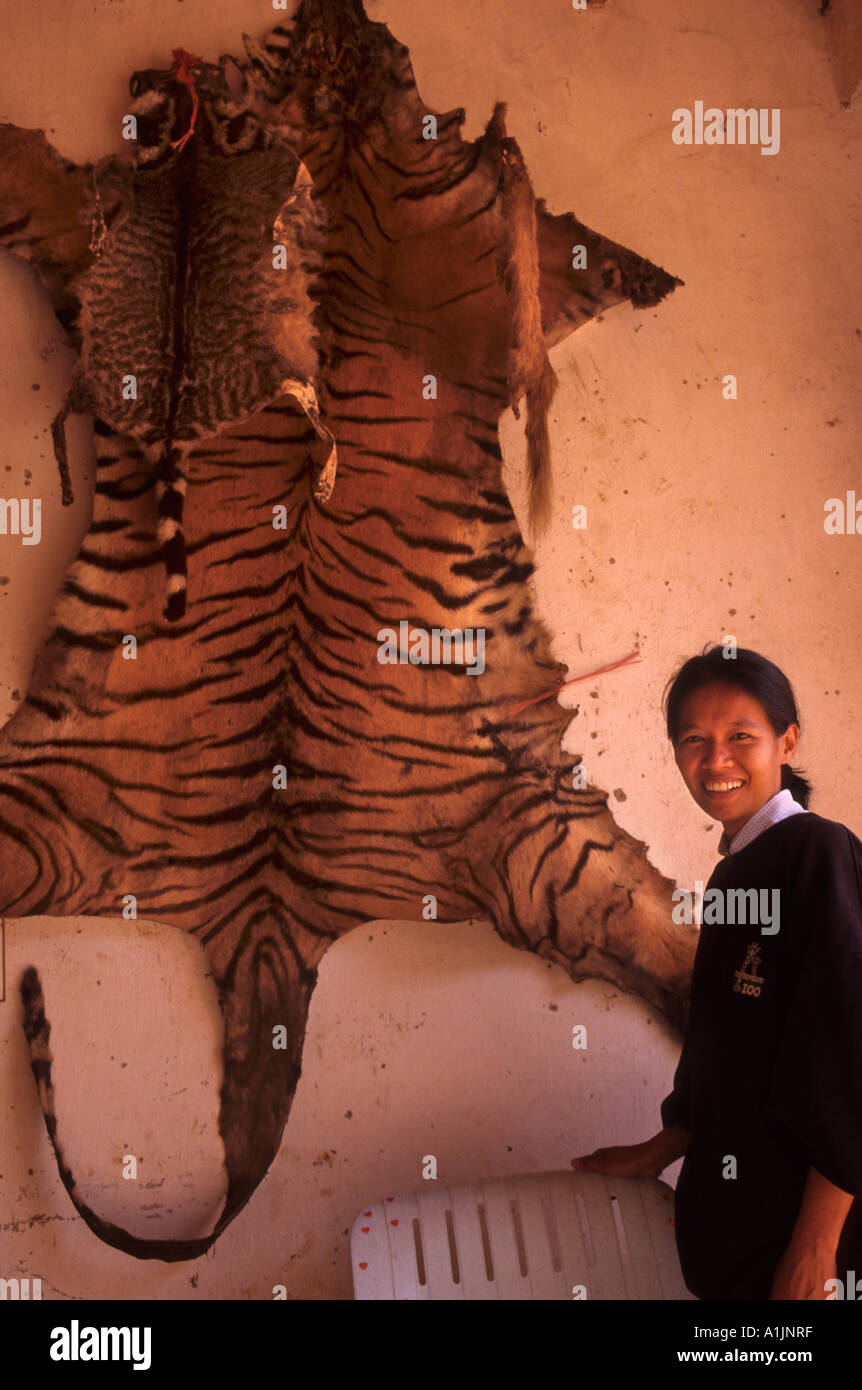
[
  {"x": 802, "y": 1272},
  {"x": 810, "y": 1257},
  {"x": 645, "y": 1160},
  {"x": 623, "y": 1161}
]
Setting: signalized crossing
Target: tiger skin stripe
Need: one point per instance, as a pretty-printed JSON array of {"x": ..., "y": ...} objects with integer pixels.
[{"x": 155, "y": 776}]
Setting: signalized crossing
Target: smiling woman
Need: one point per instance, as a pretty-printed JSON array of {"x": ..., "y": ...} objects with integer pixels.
[
  {"x": 767, "y": 1097},
  {"x": 768, "y": 1083}
]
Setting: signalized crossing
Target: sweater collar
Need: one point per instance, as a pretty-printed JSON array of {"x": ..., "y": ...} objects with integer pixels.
[{"x": 777, "y": 808}]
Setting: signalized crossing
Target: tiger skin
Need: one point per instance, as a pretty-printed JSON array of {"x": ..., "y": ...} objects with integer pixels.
[{"x": 155, "y": 777}]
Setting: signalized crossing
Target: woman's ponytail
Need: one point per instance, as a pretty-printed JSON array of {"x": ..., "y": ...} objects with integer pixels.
[{"x": 798, "y": 786}]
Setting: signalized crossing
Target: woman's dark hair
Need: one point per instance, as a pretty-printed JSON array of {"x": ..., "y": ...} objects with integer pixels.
[{"x": 748, "y": 671}]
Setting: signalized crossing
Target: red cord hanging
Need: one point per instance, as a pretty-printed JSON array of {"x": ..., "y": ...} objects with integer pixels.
[
  {"x": 184, "y": 66},
  {"x": 525, "y": 704}
]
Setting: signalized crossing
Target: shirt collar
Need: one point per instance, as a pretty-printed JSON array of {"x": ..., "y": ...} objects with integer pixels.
[{"x": 777, "y": 808}]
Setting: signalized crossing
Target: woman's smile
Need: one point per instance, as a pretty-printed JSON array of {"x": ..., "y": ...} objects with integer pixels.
[{"x": 722, "y": 790}]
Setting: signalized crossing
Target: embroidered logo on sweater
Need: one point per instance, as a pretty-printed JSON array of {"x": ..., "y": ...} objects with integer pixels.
[{"x": 747, "y": 980}]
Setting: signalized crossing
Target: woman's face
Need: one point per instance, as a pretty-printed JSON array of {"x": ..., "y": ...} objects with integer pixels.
[{"x": 728, "y": 753}]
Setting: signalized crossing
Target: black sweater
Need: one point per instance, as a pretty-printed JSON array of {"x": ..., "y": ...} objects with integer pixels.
[{"x": 771, "y": 1066}]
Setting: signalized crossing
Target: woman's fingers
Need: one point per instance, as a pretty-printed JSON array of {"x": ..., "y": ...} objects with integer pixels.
[
  {"x": 595, "y": 1162},
  {"x": 619, "y": 1161}
]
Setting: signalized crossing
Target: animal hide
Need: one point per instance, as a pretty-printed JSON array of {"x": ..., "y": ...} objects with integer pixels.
[
  {"x": 184, "y": 326},
  {"x": 260, "y": 776}
]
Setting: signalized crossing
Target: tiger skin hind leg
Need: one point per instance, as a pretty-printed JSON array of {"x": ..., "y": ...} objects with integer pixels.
[{"x": 562, "y": 879}]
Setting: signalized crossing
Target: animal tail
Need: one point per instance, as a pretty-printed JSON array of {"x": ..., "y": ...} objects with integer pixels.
[
  {"x": 74, "y": 404},
  {"x": 37, "y": 1031},
  {"x": 171, "y": 485},
  {"x": 171, "y": 481}
]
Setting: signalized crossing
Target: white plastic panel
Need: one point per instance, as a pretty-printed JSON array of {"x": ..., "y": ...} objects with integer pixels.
[{"x": 531, "y": 1237}]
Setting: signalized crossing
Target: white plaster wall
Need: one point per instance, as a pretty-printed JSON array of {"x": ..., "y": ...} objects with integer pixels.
[{"x": 705, "y": 518}]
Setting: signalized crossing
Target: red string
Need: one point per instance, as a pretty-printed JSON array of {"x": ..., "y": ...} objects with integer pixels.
[
  {"x": 183, "y": 67},
  {"x": 525, "y": 704}
]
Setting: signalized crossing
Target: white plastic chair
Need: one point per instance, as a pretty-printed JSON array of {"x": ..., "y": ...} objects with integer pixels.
[{"x": 540, "y": 1236}]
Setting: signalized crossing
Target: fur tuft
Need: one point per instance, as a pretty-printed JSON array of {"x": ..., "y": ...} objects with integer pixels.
[{"x": 530, "y": 371}]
